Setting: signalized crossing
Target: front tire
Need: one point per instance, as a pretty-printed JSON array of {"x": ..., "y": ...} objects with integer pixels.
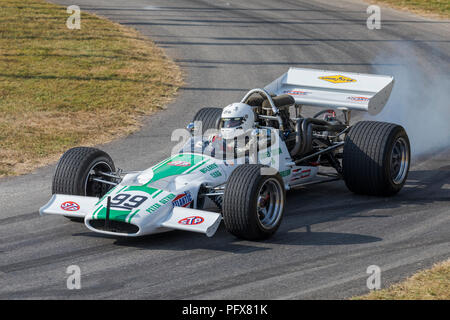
[
  {"x": 76, "y": 169},
  {"x": 253, "y": 204},
  {"x": 376, "y": 158}
]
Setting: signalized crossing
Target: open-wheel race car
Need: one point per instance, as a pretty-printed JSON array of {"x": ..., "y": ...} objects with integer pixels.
[{"x": 238, "y": 162}]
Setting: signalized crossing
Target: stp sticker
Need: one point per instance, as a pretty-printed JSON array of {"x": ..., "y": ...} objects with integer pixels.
[
  {"x": 70, "y": 206},
  {"x": 182, "y": 200},
  {"x": 191, "y": 220},
  {"x": 337, "y": 79},
  {"x": 179, "y": 163}
]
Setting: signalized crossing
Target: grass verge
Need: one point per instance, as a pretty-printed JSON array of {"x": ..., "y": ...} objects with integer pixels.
[
  {"x": 431, "y": 8},
  {"x": 432, "y": 284},
  {"x": 60, "y": 87}
]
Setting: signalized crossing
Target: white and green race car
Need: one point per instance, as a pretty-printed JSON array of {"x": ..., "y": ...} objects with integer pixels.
[{"x": 213, "y": 178}]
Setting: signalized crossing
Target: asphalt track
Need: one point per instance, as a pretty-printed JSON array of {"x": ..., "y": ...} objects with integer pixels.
[{"x": 328, "y": 237}]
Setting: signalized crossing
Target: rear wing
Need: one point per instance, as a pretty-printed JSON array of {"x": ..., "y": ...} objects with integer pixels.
[{"x": 334, "y": 89}]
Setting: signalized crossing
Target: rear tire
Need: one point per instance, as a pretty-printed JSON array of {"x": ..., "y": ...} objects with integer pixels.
[
  {"x": 253, "y": 204},
  {"x": 209, "y": 117},
  {"x": 376, "y": 158},
  {"x": 75, "y": 170}
]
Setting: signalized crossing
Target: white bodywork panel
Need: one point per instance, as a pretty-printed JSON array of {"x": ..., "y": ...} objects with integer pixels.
[{"x": 335, "y": 89}]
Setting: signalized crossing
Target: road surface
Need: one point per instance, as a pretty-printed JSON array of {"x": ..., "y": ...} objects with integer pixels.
[{"x": 329, "y": 237}]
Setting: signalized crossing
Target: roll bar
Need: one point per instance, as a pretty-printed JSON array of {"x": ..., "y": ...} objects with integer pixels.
[{"x": 269, "y": 98}]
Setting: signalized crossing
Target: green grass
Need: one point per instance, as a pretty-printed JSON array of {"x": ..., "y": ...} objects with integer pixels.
[
  {"x": 439, "y": 8},
  {"x": 432, "y": 284},
  {"x": 60, "y": 87}
]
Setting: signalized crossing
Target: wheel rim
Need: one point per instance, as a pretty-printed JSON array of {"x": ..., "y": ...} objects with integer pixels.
[
  {"x": 399, "y": 161},
  {"x": 270, "y": 203},
  {"x": 94, "y": 188}
]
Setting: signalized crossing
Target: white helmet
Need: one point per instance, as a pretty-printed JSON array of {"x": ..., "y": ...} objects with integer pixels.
[{"x": 237, "y": 118}]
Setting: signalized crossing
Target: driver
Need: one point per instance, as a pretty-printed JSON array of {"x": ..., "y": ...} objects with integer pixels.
[
  {"x": 237, "y": 119},
  {"x": 238, "y": 130},
  {"x": 236, "y": 125}
]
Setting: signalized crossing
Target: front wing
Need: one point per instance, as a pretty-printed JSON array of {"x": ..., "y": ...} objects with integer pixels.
[{"x": 179, "y": 218}]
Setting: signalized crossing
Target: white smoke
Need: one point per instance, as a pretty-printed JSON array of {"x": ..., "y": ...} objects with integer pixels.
[{"x": 420, "y": 99}]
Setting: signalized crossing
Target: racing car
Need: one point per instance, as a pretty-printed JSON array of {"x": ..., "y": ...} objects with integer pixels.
[{"x": 216, "y": 175}]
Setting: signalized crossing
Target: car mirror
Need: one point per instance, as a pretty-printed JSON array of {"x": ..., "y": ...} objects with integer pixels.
[{"x": 190, "y": 127}]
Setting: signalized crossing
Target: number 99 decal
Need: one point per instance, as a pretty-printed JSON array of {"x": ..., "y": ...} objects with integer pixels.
[{"x": 127, "y": 201}]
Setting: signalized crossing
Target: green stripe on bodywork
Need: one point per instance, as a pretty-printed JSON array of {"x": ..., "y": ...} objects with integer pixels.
[
  {"x": 133, "y": 214},
  {"x": 166, "y": 170},
  {"x": 121, "y": 215},
  {"x": 117, "y": 215},
  {"x": 160, "y": 171},
  {"x": 199, "y": 165},
  {"x": 96, "y": 210},
  {"x": 156, "y": 166},
  {"x": 143, "y": 188},
  {"x": 156, "y": 194}
]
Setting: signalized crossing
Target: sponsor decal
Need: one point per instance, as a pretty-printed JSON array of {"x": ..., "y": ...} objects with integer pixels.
[
  {"x": 216, "y": 174},
  {"x": 70, "y": 206},
  {"x": 337, "y": 79},
  {"x": 182, "y": 200},
  {"x": 358, "y": 99},
  {"x": 296, "y": 92},
  {"x": 285, "y": 173},
  {"x": 153, "y": 208},
  {"x": 209, "y": 168},
  {"x": 305, "y": 173},
  {"x": 297, "y": 174},
  {"x": 179, "y": 163},
  {"x": 160, "y": 203},
  {"x": 191, "y": 220},
  {"x": 167, "y": 198}
]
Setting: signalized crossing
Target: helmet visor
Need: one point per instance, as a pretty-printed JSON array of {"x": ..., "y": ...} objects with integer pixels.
[{"x": 232, "y": 122}]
